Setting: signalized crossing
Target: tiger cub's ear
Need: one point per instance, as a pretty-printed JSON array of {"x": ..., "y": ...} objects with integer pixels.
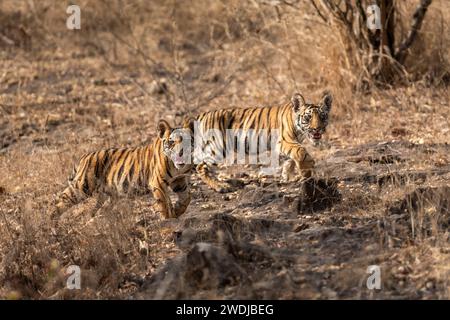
[
  {"x": 163, "y": 127},
  {"x": 297, "y": 101},
  {"x": 188, "y": 123},
  {"x": 327, "y": 100}
]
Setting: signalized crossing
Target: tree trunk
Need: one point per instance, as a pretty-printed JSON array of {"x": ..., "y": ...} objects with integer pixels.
[
  {"x": 383, "y": 69},
  {"x": 374, "y": 52}
]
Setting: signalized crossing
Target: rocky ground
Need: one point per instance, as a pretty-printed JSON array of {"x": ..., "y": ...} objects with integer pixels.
[{"x": 272, "y": 240}]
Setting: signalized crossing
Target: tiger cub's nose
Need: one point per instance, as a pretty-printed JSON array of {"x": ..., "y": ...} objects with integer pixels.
[{"x": 315, "y": 121}]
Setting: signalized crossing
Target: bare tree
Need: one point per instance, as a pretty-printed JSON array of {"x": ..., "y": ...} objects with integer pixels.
[{"x": 375, "y": 52}]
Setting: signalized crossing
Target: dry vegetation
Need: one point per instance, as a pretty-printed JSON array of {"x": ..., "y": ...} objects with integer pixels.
[{"x": 384, "y": 165}]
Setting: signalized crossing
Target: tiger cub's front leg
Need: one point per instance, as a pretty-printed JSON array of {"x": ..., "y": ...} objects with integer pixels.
[
  {"x": 289, "y": 171},
  {"x": 163, "y": 205},
  {"x": 181, "y": 187},
  {"x": 299, "y": 160}
]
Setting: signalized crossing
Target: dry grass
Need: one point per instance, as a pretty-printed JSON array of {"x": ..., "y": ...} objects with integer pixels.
[{"x": 63, "y": 93}]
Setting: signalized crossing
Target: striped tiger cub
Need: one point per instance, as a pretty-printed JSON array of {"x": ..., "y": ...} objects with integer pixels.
[
  {"x": 151, "y": 168},
  {"x": 295, "y": 121}
]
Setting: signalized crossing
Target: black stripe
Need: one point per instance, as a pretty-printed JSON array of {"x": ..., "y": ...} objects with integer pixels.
[
  {"x": 105, "y": 163},
  {"x": 85, "y": 186},
  {"x": 125, "y": 184},
  {"x": 97, "y": 166},
  {"x": 119, "y": 174},
  {"x": 131, "y": 175}
]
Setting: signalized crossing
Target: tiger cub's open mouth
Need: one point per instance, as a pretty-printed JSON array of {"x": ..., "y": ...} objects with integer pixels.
[{"x": 315, "y": 135}]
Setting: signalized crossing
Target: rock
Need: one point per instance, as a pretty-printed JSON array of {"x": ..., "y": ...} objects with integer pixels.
[
  {"x": 318, "y": 195},
  {"x": 209, "y": 266}
]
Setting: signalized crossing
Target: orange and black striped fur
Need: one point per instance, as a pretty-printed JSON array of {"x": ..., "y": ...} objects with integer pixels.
[
  {"x": 152, "y": 168},
  {"x": 295, "y": 121}
]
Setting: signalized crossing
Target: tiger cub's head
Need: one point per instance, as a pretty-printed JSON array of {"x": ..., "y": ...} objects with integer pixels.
[
  {"x": 311, "y": 120},
  {"x": 177, "y": 143}
]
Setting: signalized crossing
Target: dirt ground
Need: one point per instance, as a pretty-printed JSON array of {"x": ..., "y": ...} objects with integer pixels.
[{"x": 380, "y": 193}]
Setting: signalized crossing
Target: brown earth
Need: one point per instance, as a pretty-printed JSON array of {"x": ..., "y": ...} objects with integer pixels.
[{"x": 380, "y": 194}]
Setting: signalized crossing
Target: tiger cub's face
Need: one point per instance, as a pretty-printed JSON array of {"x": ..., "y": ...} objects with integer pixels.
[
  {"x": 311, "y": 120},
  {"x": 177, "y": 142}
]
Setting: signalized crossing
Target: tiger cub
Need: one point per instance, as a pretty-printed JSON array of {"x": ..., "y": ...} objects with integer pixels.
[
  {"x": 295, "y": 121},
  {"x": 151, "y": 168}
]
